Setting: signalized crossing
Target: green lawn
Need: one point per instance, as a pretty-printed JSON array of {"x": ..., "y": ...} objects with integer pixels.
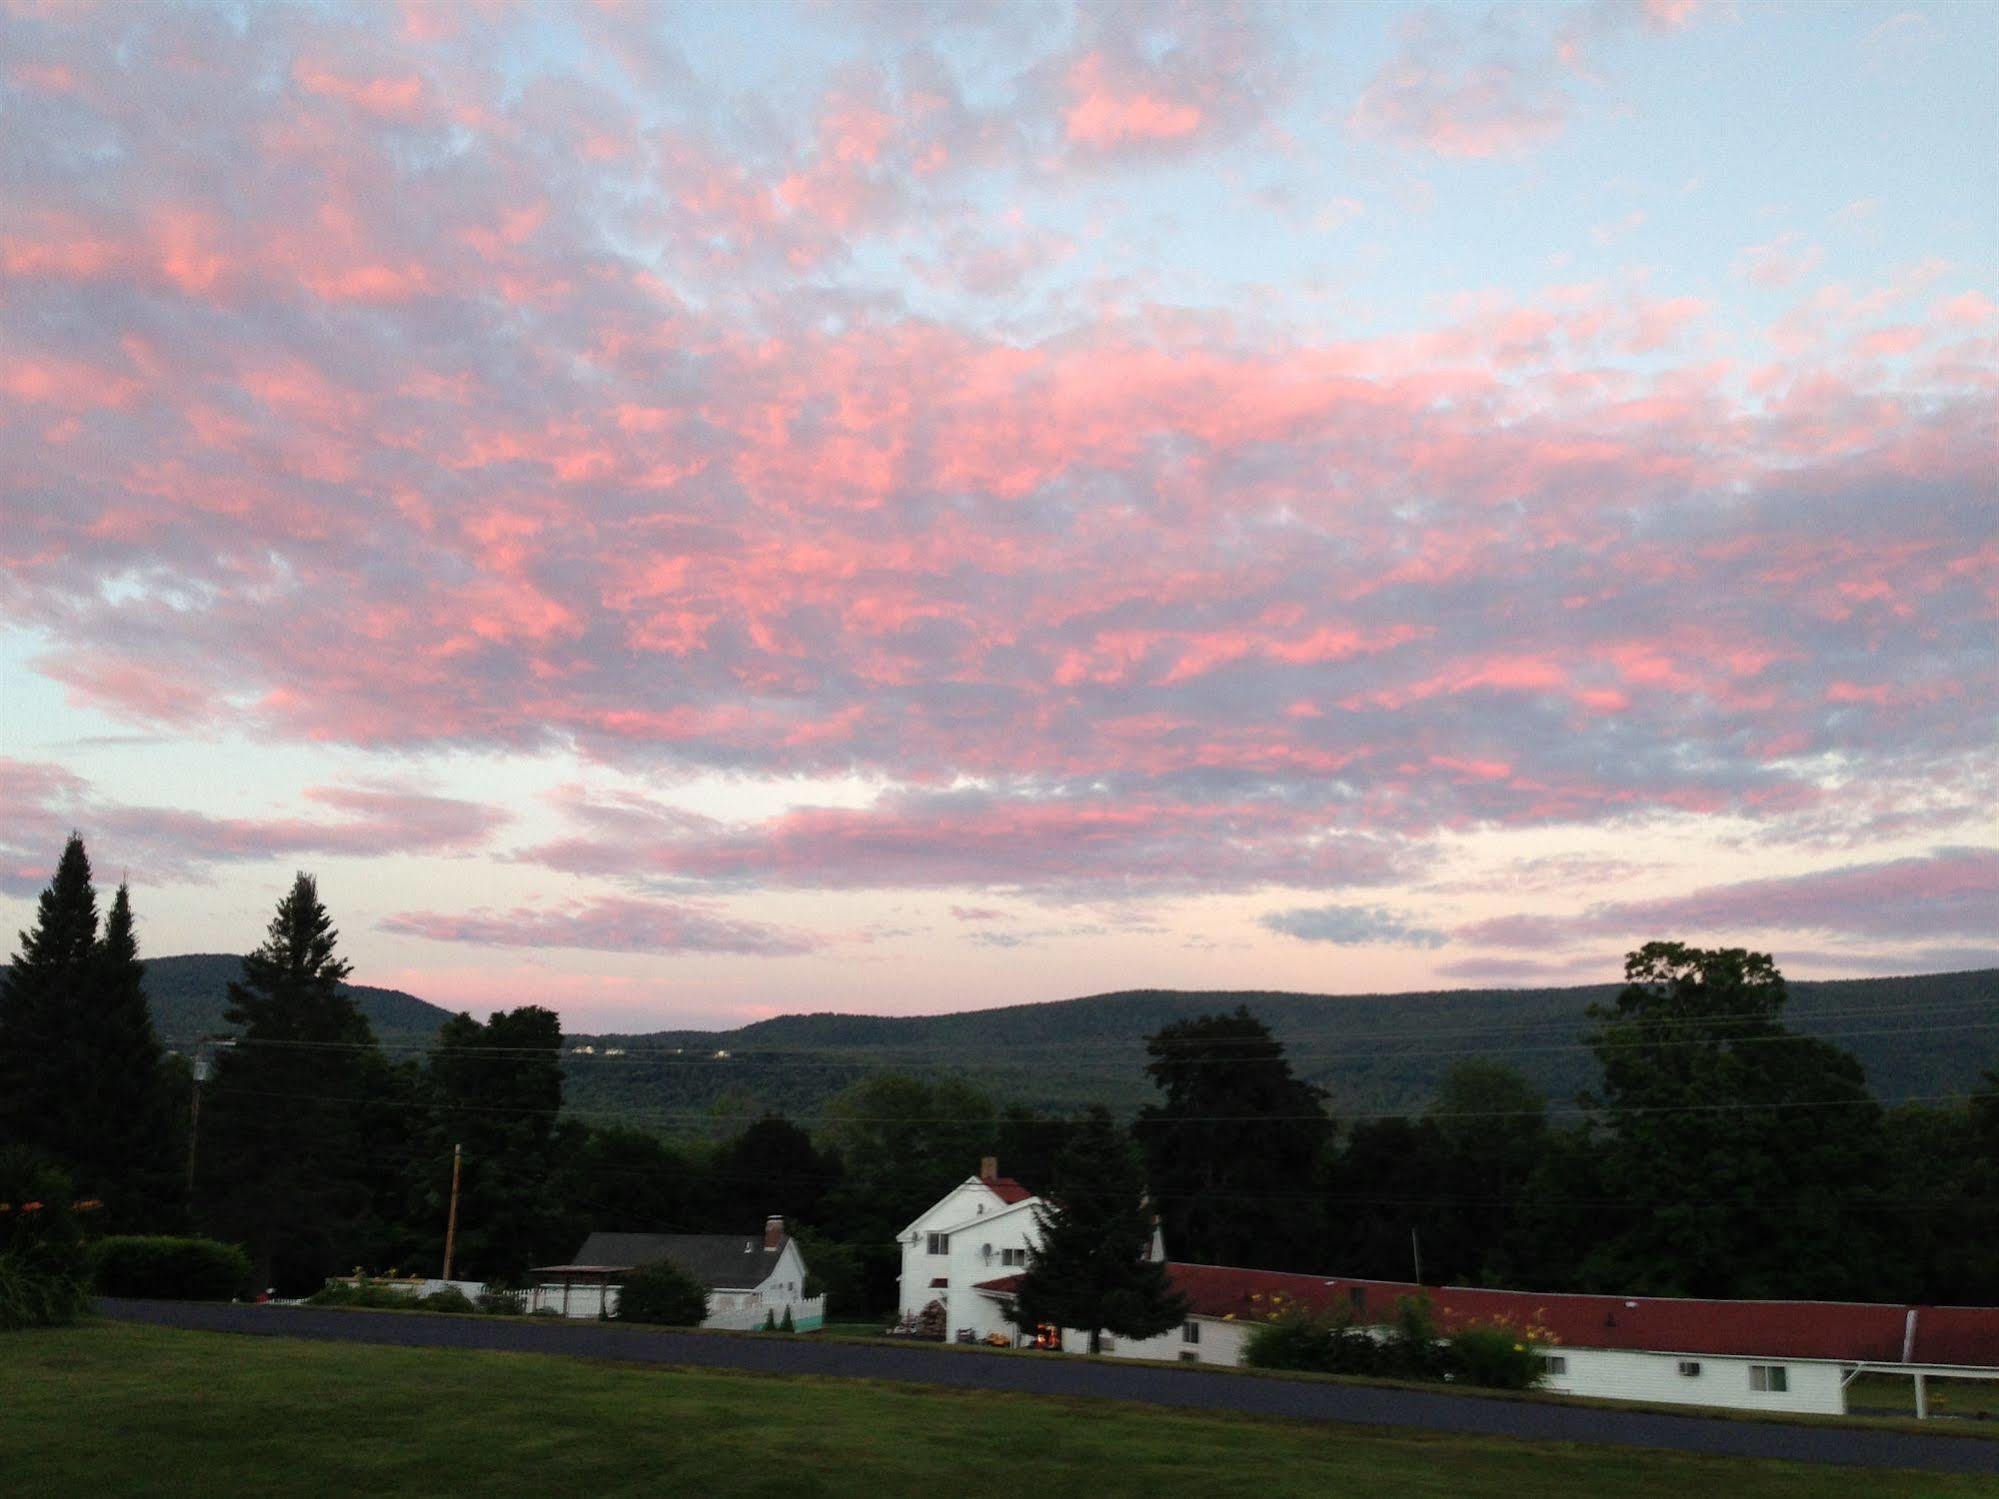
[
  {"x": 1895, "y": 1394},
  {"x": 117, "y": 1409}
]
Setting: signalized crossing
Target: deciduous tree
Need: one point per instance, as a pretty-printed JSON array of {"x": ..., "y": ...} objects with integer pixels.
[{"x": 1234, "y": 1150}]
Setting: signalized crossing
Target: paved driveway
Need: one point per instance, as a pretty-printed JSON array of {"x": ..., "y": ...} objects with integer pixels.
[{"x": 1075, "y": 1377}]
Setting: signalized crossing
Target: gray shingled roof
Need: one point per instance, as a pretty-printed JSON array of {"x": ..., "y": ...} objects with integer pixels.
[{"x": 721, "y": 1262}]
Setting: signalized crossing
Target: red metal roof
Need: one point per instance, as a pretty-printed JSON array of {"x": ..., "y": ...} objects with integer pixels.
[
  {"x": 1006, "y": 1189},
  {"x": 1858, "y": 1332}
]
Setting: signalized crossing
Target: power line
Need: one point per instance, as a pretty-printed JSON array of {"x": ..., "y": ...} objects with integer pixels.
[
  {"x": 620, "y": 1115},
  {"x": 875, "y": 1059},
  {"x": 768, "y": 1054}
]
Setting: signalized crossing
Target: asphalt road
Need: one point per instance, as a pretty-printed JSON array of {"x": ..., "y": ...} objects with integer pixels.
[{"x": 1299, "y": 1400}]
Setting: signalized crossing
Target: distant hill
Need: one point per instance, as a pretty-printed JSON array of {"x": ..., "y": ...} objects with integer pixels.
[
  {"x": 188, "y": 995},
  {"x": 1381, "y": 1053},
  {"x": 1917, "y": 1037}
]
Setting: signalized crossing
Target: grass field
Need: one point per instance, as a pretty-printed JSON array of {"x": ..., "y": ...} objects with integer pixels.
[
  {"x": 117, "y": 1409},
  {"x": 1891, "y": 1394}
]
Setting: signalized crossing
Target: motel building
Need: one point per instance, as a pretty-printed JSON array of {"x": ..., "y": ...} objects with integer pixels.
[{"x": 968, "y": 1251}]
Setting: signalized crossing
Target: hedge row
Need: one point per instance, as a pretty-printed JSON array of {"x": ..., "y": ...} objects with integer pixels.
[{"x": 173, "y": 1269}]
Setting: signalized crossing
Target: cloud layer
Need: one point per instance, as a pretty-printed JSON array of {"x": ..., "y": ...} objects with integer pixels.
[{"x": 517, "y": 387}]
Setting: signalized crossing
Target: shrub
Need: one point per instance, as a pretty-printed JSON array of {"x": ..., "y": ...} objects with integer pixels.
[
  {"x": 179, "y": 1269},
  {"x": 1298, "y": 1339},
  {"x": 362, "y": 1293},
  {"x": 499, "y": 1303},
  {"x": 663, "y": 1294},
  {"x": 1413, "y": 1349},
  {"x": 41, "y": 1247},
  {"x": 447, "y": 1299},
  {"x": 1497, "y": 1357},
  {"x": 770, "y": 1320},
  {"x": 786, "y": 1324},
  {"x": 34, "y": 1298}
]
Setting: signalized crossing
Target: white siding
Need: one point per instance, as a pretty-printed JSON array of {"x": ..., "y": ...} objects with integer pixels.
[
  {"x": 1219, "y": 1343},
  {"x": 1623, "y": 1374},
  {"x": 1813, "y": 1386},
  {"x": 981, "y": 1229}
]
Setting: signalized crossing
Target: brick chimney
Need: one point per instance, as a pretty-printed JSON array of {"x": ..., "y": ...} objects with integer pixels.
[
  {"x": 773, "y": 1231},
  {"x": 989, "y": 1168}
]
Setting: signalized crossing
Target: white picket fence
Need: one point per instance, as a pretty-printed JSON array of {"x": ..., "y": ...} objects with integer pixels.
[{"x": 591, "y": 1301}]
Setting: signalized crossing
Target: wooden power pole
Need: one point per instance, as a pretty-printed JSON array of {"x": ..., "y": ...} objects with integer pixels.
[{"x": 451, "y": 1223}]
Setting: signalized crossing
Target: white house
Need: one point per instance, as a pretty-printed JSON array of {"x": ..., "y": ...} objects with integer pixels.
[
  {"x": 980, "y": 1229},
  {"x": 748, "y": 1280}
]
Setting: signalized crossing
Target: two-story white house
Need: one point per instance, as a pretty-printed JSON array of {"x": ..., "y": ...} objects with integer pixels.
[{"x": 981, "y": 1229}]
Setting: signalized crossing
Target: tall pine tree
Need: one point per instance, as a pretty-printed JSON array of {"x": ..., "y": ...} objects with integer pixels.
[
  {"x": 1091, "y": 1270},
  {"x": 131, "y": 1144},
  {"x": 282, "y": 1160},
  {"x": 43, "y": 1047}
]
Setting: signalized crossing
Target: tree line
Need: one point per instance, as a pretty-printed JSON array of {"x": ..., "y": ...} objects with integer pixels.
[{"x": 1719, "y": 1154}]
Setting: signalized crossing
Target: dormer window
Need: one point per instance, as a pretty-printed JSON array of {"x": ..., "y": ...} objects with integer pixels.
[{"x": 939, "y": 1244}]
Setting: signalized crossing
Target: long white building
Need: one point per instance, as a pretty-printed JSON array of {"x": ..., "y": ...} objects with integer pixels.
[{"x": 968, "y": 1251}]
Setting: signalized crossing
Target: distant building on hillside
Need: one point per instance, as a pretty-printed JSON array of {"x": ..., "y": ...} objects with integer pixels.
[{"x": 748, "y": 1279}]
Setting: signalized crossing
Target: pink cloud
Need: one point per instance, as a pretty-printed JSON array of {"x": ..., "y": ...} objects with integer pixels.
[
  {"x": 607, "y": 925},
  {"x": 1951, "y": 892},
  {"x": 396, "y": 410},
  {"x": 161, "y": 844},
  {"x": 1104, "y": 117}
]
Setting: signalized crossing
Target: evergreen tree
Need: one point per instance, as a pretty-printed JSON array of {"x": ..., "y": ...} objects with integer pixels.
[
  {"x": 43, "y": 1043},
  {"x": 1236, "y": 1146},
  {"x": 129, "y": 1154},
  {"x": 281, "y": 1150},
  {"x": 1091, "y": 1270}
]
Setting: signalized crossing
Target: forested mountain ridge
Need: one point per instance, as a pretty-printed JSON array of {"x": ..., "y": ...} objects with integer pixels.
[
  {"x": 189, "y": 993},
  {"x": 1918, "y": 1037},
  {"x": 1921, "y": 1036}
]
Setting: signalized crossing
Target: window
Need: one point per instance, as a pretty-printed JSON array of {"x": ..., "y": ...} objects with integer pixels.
[
  {"x": 1775, "y": 1378},
  {"x": 940, "y": 1244},
  {"x": 1189, "y": 1356},
  {"x": 1357, "y": 1298},
  {"x": 1691, "y": 1368},
  {"x": 1554, "y": 1363},
  {"x": 1013, "y": 1256},
  {"x": 1190, "y": 1332}
]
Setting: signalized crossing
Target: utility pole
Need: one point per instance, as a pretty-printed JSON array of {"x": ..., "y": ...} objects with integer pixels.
[
  {"x": 451, "y": 1223},
  {"x": 1416, "y": 1249},
  {"x": 200, "y": 1069}
]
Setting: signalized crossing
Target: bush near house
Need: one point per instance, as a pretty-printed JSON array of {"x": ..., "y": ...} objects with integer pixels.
[
  {"x": 362, "y": 1292},
  {"x": 179, "y": 1269},
  {"x": 1494, "y": 1355},
  {"x": 448, "y": 1299},
  {"x": 662, "y": 1294},
  {"x": 1497, "y": 1357}
]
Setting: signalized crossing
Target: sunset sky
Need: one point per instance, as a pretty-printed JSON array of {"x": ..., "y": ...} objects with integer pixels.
[{"x": 685, "y": 513}]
